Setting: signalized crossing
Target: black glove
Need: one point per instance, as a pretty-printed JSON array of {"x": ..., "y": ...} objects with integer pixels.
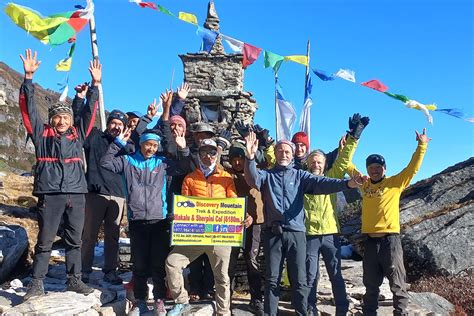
[
  {"x": 242, "y": 129},
  {"x": 264, "y": 139},
  {"x": 353, "y": 121},
  {"x": 224, "y": 138},
  {"x": 359, "y": 127}
]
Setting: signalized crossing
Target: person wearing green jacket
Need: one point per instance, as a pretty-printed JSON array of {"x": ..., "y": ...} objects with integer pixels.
[{"x": 322, "y": 224}]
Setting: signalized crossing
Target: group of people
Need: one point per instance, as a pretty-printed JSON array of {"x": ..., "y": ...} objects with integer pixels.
[{"x": 290, "y": 190}]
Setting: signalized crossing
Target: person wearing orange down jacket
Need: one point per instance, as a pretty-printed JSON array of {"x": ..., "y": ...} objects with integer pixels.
[{"x": 208, "y": 180}]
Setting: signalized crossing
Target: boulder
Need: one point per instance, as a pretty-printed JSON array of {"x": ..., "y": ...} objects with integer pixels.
[
  {"x": 57, "y": 303},
  {"x": 432, "y": 302},
  {"x": 13, "y": 244}
]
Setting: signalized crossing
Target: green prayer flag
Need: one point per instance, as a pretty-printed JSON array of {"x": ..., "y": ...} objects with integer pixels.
[
  {"x": 164, "y": 10},
  {"x": 400, "y": 97},
  {"x": 272, "y": 60}
]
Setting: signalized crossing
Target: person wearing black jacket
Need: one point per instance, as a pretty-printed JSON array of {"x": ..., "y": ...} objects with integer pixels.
[
  {"x": 60, "y": 181},
  {"x": 105, "y": 200}
]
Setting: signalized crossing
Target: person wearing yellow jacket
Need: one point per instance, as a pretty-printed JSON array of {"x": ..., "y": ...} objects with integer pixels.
[
  {"x": 322, "y": 224},
  {"x": 383, "y": 254}
]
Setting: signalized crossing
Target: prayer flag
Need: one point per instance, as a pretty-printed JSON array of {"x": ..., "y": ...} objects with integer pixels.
[
  {"x": 305, "y": 118},
  {"x": 285, "y": 115},
  {"x": 399, "y": 97},
  {"x": 65, "y": 64},
  {"x": 322, "y": 75},
  {"x": 272, "y": 60},
  {"x": 346, "y": 74},
  {"x": 208, "y": 38},
  {"x": 423, "y": 108},
  {"x": 235, "y": 45},
  {"x": 300, "y": 59},
  {"x": 164, "y": 10},
  {"x": 188, "y": 17},
  {"x": 376, "y": 85},
  {"x": 250, "y": 54},
  {"x": 54, "y": 29},
  {"x": 142, "y": 4}
]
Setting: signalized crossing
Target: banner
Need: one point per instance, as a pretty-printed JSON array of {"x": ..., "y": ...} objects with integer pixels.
[{"x": 208, "y": 221}]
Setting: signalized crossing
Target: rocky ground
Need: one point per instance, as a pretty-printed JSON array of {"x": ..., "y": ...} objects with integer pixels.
[{"x": 112, "y": 299}]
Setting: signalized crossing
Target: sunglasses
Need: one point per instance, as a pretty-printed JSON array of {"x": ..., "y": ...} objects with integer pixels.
[{"x": 204, "y": 153}]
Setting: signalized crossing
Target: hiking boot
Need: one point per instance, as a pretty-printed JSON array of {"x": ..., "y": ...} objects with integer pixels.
[
  {"x": 179, "y": 309},
  {"x": 35, "y": 288},
  {"x": 112, "y": 278},
  {"x": 139, "y": 308},
  {"x": 75, "y": 284},
  {"x": 256, "y": 307},
  {"x": 159, "y": 308}
]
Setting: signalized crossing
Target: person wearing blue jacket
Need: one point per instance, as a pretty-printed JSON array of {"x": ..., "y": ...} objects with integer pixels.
[
  {"x": 145, "y": 175},
  {"x": 283, "y": 188}
]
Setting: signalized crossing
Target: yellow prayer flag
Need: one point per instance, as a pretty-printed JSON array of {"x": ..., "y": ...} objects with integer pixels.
[
  {"x": 300, "y": 59},
  {"x": 188, "y": 17},
  {"x": 64, "y": 64}
]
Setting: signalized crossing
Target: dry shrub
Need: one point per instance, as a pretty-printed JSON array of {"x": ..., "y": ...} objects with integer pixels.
[{"x": 459, "y": 290}]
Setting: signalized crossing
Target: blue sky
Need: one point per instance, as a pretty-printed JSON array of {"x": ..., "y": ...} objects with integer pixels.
[{"x": 419, "y": 48}]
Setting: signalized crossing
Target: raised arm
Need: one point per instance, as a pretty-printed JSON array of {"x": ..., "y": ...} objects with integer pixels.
[
  {"x": 252, "y": 175},
  {"x": 31, "y": 117},
  {"x": 404, "y": 177},
  {"x": 90, "y": 110}
]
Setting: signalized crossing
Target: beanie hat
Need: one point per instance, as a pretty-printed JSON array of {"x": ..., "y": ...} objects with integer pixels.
[
  {"x": 301, "y": 137},
  {"x": 178, "y": 119},
  {"x": 117, "y": 115},
  {"x": 287, "y": 142},
  {"x": 375, "y": 158},
  {"x": 134, "y": 114},
  {"x": 237, "y": 150},
  {"x": 149, "y": 136},
  {"x": 59, "y": 108}
]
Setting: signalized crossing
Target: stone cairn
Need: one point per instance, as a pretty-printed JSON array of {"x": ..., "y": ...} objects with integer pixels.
[{"x": 216, "y": 81}]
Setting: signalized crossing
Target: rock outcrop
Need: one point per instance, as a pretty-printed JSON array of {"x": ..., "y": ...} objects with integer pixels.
[
  {"x": 436, "y": 217},
  {"x": 13, "y": 244}
]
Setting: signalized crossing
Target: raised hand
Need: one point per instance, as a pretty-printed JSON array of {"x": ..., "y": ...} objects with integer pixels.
[
  {"x": 30, "y": 63},
  {"x": 81, "y": 90},
  {"x": 224, "y": 137},
  {"x": 353, "y": 121},
  {"x": 152, "y": 109},
  {"x": 125, "y": 134},
  {"x": 180, "y": 140},
  {"x": 242, "y": 129},
  {"x": 95, "y": 68},
  {"x": 167, "y": 98},
  {"x": 357, "y": 125},
  {"x": 183, "y": 91},
  {"x": 251, "y": 145},
  {"x": 422, "y": 138},
  {"x": 263, "y": 136}
]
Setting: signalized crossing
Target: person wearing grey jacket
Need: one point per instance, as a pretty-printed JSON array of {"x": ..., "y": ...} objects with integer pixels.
[{"x": 283, "y": 189}]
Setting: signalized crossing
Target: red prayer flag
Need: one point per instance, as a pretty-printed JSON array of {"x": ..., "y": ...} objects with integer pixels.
[
  {"x": 150, "y": 5},
  {"x": 250, "y": 54},
  {"x": 376, "y": 85}
]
